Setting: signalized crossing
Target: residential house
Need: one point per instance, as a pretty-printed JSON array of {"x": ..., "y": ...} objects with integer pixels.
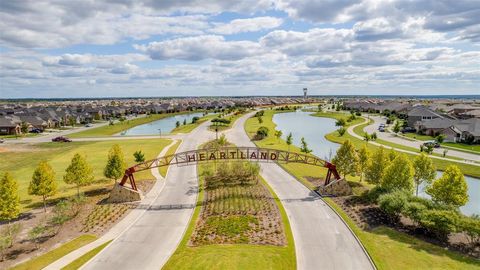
[{"x": 421, "y": 113}]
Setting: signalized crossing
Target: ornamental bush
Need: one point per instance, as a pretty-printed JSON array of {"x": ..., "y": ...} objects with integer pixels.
[
  {"x": 393, "y": 204},
  {"x": 262, "y": 132},
  {"x": 439, "y": 222}
]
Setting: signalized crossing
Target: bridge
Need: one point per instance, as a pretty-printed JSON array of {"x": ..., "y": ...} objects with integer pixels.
[{"x": 194, "y": 157}]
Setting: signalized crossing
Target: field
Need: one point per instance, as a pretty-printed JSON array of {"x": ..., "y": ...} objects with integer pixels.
[
  {"x": 223, "y": 233},
  {"x": 388, "y": 248},
  {"x": 22, "y": 163}
]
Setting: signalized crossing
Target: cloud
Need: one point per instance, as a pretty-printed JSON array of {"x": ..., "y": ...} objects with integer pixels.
[
  {"x": 246, "y": 25},
  {"x": 200, "y": 48}
]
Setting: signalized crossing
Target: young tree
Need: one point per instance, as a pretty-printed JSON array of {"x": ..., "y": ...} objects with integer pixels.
[
  {"x": 341, "y": 131},
  {"x": 424, "y": 171},
  {"x": 24, "y": 127},
  {"x": 177, "y": 124},
  {"x": 451, "y": 188},
  {"x": 397, "y": 127},
  {"x": 376, "y": 166},
  {"x": 278, "y": 134},
  {"x": 139, "y": 156},
  {"x": 78, "y": 172},
  {"x": 116, "y": 166},
  {"x": 9, "y": 200},
  {"x": 43, "y": 183},
  {"x": 363, "y": 157},
  {"x": 289, "y": 140},
  {"x": 440, "y": 138},
  {"x": 184, "y": 122},
  {"x": 260, "y": 119},
  {"x": 222, "y": 141},
  {"x": 304, "y": 146},
  {"x": 340, "y": 122},
  {"x": 367, "y": 137},
  {"x": 346, "y": 159},
  {"x": 398, "y": 175}
]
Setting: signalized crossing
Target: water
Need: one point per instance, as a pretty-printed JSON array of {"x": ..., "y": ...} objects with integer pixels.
[
  {"x": 314, "y": 129},
  {"x": 165, "y": 125}
]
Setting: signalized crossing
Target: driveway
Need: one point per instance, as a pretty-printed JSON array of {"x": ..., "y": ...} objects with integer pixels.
[{"x": 322, "y": 240}]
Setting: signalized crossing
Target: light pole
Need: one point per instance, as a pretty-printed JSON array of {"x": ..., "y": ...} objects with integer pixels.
[
  {"x": 216, "y": 133},
  {"x": 160, "y": 132}
]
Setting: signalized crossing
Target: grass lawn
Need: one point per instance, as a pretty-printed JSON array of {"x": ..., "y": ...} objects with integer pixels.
[
  {"x": 463, "y": 146},
  {"x": 118, "y": 127},
  {"x": 233, "y": 256},
  {"x": 28, "y": 135},
  {"x": 391, "y": 249},
  {"x": 53, "y": 255},
  {"x": 232, "y": 119},
  {"x": 388, "y": 248},
  {"x": 170, "y": 151},
  {"x": 189, "y": 127},
  {"x": 76, "y": 264},
  {"x": 59, "y": 155},
  {"x": 419, "y": 137}
]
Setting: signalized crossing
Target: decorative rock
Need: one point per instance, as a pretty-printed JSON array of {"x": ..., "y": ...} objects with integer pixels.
[
  {"x": 336, "y": 188},
  {"x": 121, "y": 194}
]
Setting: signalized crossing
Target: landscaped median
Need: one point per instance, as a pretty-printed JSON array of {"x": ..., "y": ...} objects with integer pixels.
[
  {"x": 389, "y": 248},
  {"x": 238, "y": 223}
]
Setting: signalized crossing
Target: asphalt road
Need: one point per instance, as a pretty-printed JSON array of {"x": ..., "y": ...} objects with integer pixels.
[
  {"x": 153, "y": 237},
  {"x": 322, "y": 240}
]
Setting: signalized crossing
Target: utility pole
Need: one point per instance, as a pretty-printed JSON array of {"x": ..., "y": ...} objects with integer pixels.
[{"x": 305, "y": 93}]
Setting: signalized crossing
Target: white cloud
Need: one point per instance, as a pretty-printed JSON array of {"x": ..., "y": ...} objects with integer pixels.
[{"x": 246, "y": 25}]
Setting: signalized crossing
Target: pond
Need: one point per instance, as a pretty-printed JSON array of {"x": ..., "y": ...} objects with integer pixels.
[
  {"x": 165, "y": 125},
  {"x": 313, "y": 129}
]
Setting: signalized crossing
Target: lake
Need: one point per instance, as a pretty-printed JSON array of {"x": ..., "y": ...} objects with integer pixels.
[
  {"x": 165, "y": 125},
  {"x": 313, "y": 129}
]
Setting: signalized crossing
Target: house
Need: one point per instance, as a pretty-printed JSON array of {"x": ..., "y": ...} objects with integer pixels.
[
  {"x": 421, "y": 113},
  {"x": 470, "y": 130},
  {"x": 433, "y": 127},
  {"x": 8, "y": 126}
]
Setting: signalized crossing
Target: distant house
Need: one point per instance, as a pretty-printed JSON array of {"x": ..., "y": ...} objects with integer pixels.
[
  {"x": 8, "y": 126},
  {"x": 470, "y": 130},
  {"x": 421, "y": 113},
  {"x": 454, "y": 130}
]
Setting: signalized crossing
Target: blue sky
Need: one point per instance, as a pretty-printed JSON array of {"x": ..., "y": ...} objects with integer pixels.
[{"x": 55, "y": 48}]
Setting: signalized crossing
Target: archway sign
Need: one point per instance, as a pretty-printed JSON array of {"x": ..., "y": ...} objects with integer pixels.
[{"x": 194, "y": 157}]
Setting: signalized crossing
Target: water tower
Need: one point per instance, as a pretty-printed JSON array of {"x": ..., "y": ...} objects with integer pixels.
[{"x": 305, "y": 93}]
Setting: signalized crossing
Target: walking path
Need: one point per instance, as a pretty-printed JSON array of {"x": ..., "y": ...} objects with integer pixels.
[
  {"x": 322, "y": 240},
  {"x": 351, "y": 132},
  {"x": 121, "y": 226}
]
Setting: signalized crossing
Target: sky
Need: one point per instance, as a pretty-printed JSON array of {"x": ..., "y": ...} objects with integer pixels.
[{"x": 130, "y": 48}]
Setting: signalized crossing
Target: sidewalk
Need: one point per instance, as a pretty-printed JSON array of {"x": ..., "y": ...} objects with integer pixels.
[{"x": 121, "y": 226}]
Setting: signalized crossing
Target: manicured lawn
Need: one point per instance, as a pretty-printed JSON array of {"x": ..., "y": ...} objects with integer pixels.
[
  {"x": 391, "y": 249},
  {"x": 28, "y": 135},
  {"x": 189, "y": 127},
  {"x": 59, "y": 155},
  {"x": 418, "y": 136},
  {"x": 460, "y": 146},
  {"x": 170, "y": 151},
  {"x": 388, "y": 248},
  {"x": 85, "y": 257},
  {"x": 235, "y": 256},
  {"x": 232, "y": 119},
  {"x": 118, "y": 127},
  {"x": 53, "y": 255}
]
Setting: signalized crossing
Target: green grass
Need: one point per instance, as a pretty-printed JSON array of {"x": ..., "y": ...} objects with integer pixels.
[
  {"x": 163, "y": 170},
  {"x": 418, "y": 136},
  {"x": 189, "y": 127},
  {"x": 388, "y": 248},
  {"x": 59, "y": 155},
  {"x": 234, "y": 256},
  {"x": 118, "y": 127},
  {"x": 391, "y": 249},
  {"x": 28, "y": 135},
  {"x": 462, "y": 146},
  {"x": 232, "y": 119},
  {"x": 53, "y": 255},
  {"x": 76, "y": 264}
]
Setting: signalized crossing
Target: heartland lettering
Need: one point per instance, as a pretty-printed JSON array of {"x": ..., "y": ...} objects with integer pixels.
[{"x": 229, "y": 154}]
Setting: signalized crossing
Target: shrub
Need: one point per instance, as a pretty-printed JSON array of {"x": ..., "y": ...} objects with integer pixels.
[
  {"x": 471, "y": 227},
  {"x": 259, "y": 113},
  {"x": 439, "y": 222},
  {"x": 341, "y": 131},
  {"x": 262, "y": 132},
  {"x": 393, "y": 204},
  {"x": 373, "y": 194},
  {"x": 340, "y": 122},
  {"x": 414, "y": 210}
]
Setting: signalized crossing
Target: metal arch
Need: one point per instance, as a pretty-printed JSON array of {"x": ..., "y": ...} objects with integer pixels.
[{"x": 229, "y": 153}]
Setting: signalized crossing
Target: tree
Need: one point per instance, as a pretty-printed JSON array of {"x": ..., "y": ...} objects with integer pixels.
[
  {"x": 424, "y": 171},
  {"x": 367, "y": 137},
  {"x": 262, "y": 132},
  {"x": 304, "y": 146},
  {"x": 9, "y": 200},
  {"x": 139, "y": 156},
  {"x": 24, "y": 127},
  {"x": 184, "y": 121},
  {"x": 195, "y": 119},
  {"x": 340, "y": 122},
  {"x": 260, "y": 119},
  {"x": 397, "y": 127},
  {"x": 78, "y": 172},
  {"x": 363, "y": 157},
  {"x": 177, "y": 124},
  {"x": 341, "y": 131},
  {"x": 376, "y": 166},
  {"x": 398, "y": 175},
  {"x": 392, "y": 154},
  {"x": 289, "y": 140},
  {"x": 451, "y": 188},
  {"x": 346, "y": 159},
  {"x": 116, "y": 166},
  {"x": 440, "y": 138},
  {"x": 222, "y": 141},
  {"x": 43, "y": 183},
  {"x": 278, "y": 134}
]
